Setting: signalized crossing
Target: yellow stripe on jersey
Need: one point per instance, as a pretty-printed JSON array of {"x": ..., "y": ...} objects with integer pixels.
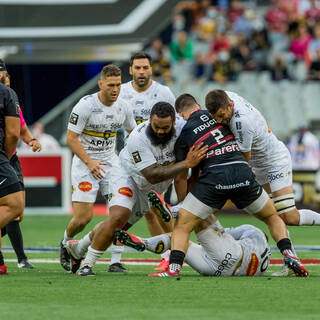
[{"x": 107, "y": 134}]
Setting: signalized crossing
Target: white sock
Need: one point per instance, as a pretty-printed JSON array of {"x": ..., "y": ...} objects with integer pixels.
[
  {"x": 158, "y": 244},
  {"x": 116, "y": 254},
  {"x": 293, "y": 249},
  {"x": 166, "y": 255},
  {"x": 217, "y": 226},
  {"x": 83, "y": 245},
  {"x": 175, "y": 209},
  {"x": 66, "y": 238},
  {"x": 309, "y": 218},
  {"x": 92, "y": 257}
]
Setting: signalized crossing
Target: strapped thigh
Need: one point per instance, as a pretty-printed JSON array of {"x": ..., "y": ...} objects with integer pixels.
[{"x": 284, "y": 203}]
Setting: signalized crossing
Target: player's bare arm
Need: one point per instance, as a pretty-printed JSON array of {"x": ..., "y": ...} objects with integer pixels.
[
  {"x": 27, "y": 137},
  {"x": 155, "y": 173},
  {"x": 247, "y": 155},
  {"x": 12, "y": 135},
  {"x": 181, "y": 185},
  {"x": 93, "y": 165}
]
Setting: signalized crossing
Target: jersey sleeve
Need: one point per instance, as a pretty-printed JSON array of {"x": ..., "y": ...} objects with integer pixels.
[
  {"x": 11, "y": 104},
  {"x": 243, "y": 133},
  {"x": 140, "y": 153},
  {"x": 129, "y": 123},
  {"x": 22, "y": 121},
  {"x": 79, "y": 117}
]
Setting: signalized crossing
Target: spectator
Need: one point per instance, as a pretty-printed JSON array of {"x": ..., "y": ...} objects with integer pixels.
[
  {"x": 224, "y": 68},
  {"x": 279, "y": 70},
  {"x": 235, "y": 11},
  {"x": 314, "y": 44},
  {"x": 304, "y": 149},
  {"x": 313, "y": 14},
  {"x": 314, "y": 71},
  {"x": 299, "y": 45}
]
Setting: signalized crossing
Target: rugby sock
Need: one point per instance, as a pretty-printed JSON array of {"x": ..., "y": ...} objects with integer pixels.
[
  {"x": 166, "y": 255},
  {"x": 292, "y": 248},
  {"x": 217, "y": 226},
  {"x": 175, "y": 209},
  {"x": 176, "y": 261},
  {"x": 1, "y": 259},
  {"x": 15, "y": 236},
  {"x": 116, "y": 253},
  {"x": 3, "y": 231},
  {"x": 158, "y": 244},
  {"x": 285, "y": 247},
  {"x": 83, "y": 245},
  {"x": 66, "y": 238},
  {"x": 309, "y": 217},
  {"x": 92, "y": 257}
]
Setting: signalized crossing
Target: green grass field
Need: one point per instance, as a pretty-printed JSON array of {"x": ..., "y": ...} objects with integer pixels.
[{"x": 48, "y": 292}]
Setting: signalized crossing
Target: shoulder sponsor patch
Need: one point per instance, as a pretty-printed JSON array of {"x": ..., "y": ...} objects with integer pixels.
[
  {"x": 253, "y": 265},
  {"x": 126, "y": 192},
  {"x": 74, "y": 118},
  {"x": 136, "y": 156},
  {"x": 85, "y": 186}
]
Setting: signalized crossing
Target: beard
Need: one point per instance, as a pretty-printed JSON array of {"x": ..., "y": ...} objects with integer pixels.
[
  {"x": 156, "y": 139},
  {"x": 141, "y": 82}
]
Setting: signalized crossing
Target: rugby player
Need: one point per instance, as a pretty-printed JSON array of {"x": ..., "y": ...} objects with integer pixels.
[
  {"x": 240, "y": 251},
  {"x": 148, "y": 162},
  {"x": 91, "y": 135},
  {"x": 225, "y": 174},
  {"x": 268, "y": 157},
  {"x": 11, "y": 195},
  {"x": 141, "y": 93}
]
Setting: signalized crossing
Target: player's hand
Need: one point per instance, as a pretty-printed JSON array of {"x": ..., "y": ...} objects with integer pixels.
[
  {"x": 196, "y": 154},
  {"x": 35, "y": 145},
  {"x": 95, "y": 168}
]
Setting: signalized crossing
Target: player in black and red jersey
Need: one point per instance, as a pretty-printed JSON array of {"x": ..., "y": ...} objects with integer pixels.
[{"x": 224, "y": 175}]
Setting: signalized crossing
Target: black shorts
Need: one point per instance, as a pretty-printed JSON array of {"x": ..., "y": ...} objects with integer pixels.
[
  {"x": 14, "y": 161},
  {"x": 9, "y": 182},
  {"x": 221, "y": 183}
]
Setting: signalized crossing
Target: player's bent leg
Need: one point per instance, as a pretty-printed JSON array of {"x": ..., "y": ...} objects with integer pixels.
[
  {"x": 153, "y": 223},
  {"x": 11, "y": 207}
]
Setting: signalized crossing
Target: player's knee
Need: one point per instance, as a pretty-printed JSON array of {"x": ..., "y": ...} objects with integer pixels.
[
  {"x": 16, "y": 204},
  {"x": 286, "y": 208},
  {"x": 83, "y": 221}
]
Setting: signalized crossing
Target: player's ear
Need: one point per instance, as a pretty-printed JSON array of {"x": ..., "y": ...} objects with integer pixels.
[
  {"x": 100, "y": 84},
  {"x": 130, "y": 70}
]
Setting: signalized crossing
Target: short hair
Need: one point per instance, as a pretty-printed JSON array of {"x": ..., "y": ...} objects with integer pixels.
[
  {"x": 140, "y": 55},
  {"x": 110, "y": 70},
  {"x": 163, "y": 110},
  {"x": 215, "y": 100},
  {"x": 185, "y": 101}
]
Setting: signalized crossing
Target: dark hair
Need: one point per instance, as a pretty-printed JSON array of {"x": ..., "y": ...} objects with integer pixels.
[
  {"x": 163, "y": 110},
  {"x": 2, "y": 66},
  {"x": 140, "y": 55},
  {"x": 110, "y": 70},
  {"x": 215, "y": 100},
  {"x": 185, "y": 101}
]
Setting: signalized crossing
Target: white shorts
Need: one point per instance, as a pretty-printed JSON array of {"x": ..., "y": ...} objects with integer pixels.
[
  {"x": 278, "y": 176},
  {"x": 125, "y": 193},
  {"x": 216, "y": 255},
  {"x": 84, "y": 186}
]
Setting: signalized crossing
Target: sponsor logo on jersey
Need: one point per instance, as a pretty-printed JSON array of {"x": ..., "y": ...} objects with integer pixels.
[
  {"x": 109, "y": 196},
  {"x": 238, "y": 125},
  {"x": 126, "y": 192},
  {"x": 225, "y": 149},
  {"x": 136, "y": 156},
  {"x": 140, "y": 119},
  {"x": 276, "y": 176},
  {"x": 240, "y": 136},
  {"x": 237, "y": 114},
  {"x": 202, "y": 127},
  {"x": 85, "y": 186},
  {"x": 233, "y": 186},
  {"x": 223, "y": 264},
  {"x": 159, "y": 247},
  {"x": 74, "y": 118},
  {"x": 253, "y": 265}
]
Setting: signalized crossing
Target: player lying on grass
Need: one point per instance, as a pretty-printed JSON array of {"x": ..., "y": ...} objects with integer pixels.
[{"x": 240, "y": 251}]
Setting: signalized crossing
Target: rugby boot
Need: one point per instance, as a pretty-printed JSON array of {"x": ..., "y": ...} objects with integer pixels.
[
  {"x": 64, "y": 257},
  {"x": 294, "y": 264},
  {"x": 3, "y": 269},
  {"x": 157, "y": 201},
  {"x": 85, "y": 271},
  {"x": 163, "y": 265},
  {"x": 117, "y": 267},
  {"x": 75, "y": 258},
  {"x": 165, "y": 274},
  {"x": 130, "y": 240},
  {"x": 25, "y": 264},
  {"x": 284, "y": 272}
]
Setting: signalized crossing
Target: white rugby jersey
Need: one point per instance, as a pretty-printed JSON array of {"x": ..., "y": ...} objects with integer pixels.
[
  {"x": 253, "y": 134},
  {"x": 97, "y": 125},
  {"x": 139, "y": 154},
  {"x": 142, "y": 102}
]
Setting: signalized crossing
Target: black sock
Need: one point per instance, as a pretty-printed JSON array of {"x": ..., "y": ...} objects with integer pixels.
[
  {"x": 285, "y": 246},
  {"x": 1, "y": 259},
  {"x": 3, "y": 231},
  {"x": 15, "y": 235},
  {"x": 176, "y": 257}
]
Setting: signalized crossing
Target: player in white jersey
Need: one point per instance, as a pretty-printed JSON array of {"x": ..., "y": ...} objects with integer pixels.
[
  {"x": 148, "y": 161},
  {"x": 269, "y": 158},
  {"x": 240, "y": 251},
  {"x": 142, "y": 93},
  {"x": 91, "y": 135}
]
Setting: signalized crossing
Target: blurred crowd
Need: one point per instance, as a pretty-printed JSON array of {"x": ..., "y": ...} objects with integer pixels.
[{"x": 215, "y": 40}]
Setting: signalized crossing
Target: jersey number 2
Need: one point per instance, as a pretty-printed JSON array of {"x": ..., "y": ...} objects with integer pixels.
[{"x": 218, "y": 136}]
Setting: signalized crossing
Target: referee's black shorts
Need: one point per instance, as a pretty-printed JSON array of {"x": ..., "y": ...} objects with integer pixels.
[{"x": 9, "y": 182}]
